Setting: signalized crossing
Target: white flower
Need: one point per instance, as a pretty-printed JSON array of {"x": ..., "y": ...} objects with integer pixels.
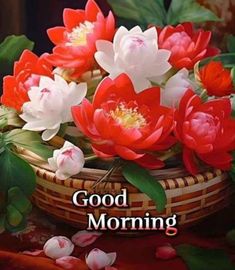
[
  {"x": 58, "y": 246},
  {"x": 67, "y": 161},
  {"x": 98, "y": 259},
  {"x": 135, "y": 53},
  {"x": 175, "y": 88},
  {"x": 50, "y": 105}
]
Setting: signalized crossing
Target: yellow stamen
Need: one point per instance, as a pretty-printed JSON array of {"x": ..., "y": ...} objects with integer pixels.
[
  {"x": 128, "y": 117},
  {"x": 78, "y": 36}
]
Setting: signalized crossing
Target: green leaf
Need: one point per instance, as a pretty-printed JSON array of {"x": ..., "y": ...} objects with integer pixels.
[
  {"x": 9, "y": 117},
  {"x": 204, "y": 259},
  {"x": 189, "y": 11},
  {"x": 140, "y": 178},
  {"x": 17, "y": 198},
  {"x": 15, "y": 229},
  {"x": 137, "y": 10},
  {"x": 231, "y": 43},
  {"x": 230, "y": 237},
  {"x": 232, "y": 170},
  {"x": 29, "y": 140},
  {"x": 228, "y": 60},
  {"x": 2, "y": 223},
  {"x": 14, "y": 217},
  {"x": 11, "y": 49},
  {"x": 14, "y": 171}
]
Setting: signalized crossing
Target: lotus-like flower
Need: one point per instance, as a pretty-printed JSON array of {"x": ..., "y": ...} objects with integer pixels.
[
  {"x": 216, "y": 79},
  {"x": 165, "y": 252},
  {"x": 75, "y": 42},
  {"x": 98, "y": 259},
  {"x": 71, "y": 263},
  {"x": 67, "y": 161},
  {"x": 175, "y": 88},
  {"x": 136, "y": 54},
  {"x": 50, "y": 105},
  {"x": 187, "y": 46},
  {"x": 85, "y": 238},
  {"x": 122, "y": 123},
  {"x": 206, "y": 130},
  {"x": 27, "y": 72},
  {"x": 58, "y": 246}
]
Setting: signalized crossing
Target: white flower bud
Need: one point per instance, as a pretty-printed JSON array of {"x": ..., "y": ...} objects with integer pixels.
[
  {"x": 67, "y": 161},
  {"x": 57, "y": 247},
  {"x": 98, "y": 259}
]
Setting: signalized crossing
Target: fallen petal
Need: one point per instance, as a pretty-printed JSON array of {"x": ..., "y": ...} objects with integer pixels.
[
  {"x": 85, "y": 238},
  {"x": 71, "y": 263},
  {"x": 36, "y": 252},
  {"x": 165, "y": 252}
]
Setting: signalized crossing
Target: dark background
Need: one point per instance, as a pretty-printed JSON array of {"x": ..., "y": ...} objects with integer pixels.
[{"x": 34, "y": 17}]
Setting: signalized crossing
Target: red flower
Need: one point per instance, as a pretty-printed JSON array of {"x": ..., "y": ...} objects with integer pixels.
[
  {"x": 206, "y": 131},
  {"x": 216, "y": 79},
  {"x": 75, "y": 43},
  {"x": 27, "y": 72},
  {"x": 186, "y": 45},
  {"x": 122, "y": 123}
]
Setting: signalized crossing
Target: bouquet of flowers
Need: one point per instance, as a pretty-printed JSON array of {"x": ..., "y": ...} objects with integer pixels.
[{"x": 133, "y": 100}]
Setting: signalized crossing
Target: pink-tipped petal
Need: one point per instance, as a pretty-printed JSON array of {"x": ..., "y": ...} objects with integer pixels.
[{"x": 85, "y": 238}]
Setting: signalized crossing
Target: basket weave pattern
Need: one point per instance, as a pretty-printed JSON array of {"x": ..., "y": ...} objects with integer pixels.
[{"x": 190, "y": 197}]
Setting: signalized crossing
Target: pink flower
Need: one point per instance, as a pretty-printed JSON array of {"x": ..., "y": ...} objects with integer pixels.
[
  {"x": 58, "y": 246},
  {"x": 165, "y": 252},
  {"x": 70, "y": 263},
  {"x": 85, "y": 238},
  {"x": 98, "y": 259}
]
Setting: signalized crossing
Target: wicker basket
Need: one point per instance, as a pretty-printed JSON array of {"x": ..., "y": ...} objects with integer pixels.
[{"x": 190, "y": 197}]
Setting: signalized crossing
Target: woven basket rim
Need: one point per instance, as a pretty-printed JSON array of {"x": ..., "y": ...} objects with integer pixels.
[{"x": 165, "y": 176}]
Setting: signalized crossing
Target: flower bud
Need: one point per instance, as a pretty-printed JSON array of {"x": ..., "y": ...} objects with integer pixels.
[
  {"x": 57, "y": 247},
  {"x": 98, "y": 259},
  {"x": 165, "y": 252},
  {"x": 67, "y": 161},
  {"x": 85, "y": 238}
]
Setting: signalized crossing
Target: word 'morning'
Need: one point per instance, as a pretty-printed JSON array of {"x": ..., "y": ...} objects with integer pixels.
[{"x": 146, "y": 223}]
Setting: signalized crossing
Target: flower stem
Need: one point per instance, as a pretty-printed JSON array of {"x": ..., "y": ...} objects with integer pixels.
[
  {"x": 91, "y": 157},
  {"x": 115, "y": 166}
]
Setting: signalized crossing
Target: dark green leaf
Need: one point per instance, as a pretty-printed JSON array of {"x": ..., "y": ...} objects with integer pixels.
[
  {"x": 17, "y": 198},
  {"x": 11, "y": 49},
  {"x": 228, "y": 60},
  {"x": 137, "y": 10},
  {"x": 231, "y": 43},
  {"x": 140, "y": 178},
  {"x": 29, "y": 140},
  {"x": 18, "y": 228},
  {"x": 14, "y": 171},
  {"x": 230, "y": 237},
  {"x": 232, "y": 171},
  {"x": 189, "y": 11},
  {"x": 204, "y": 259},
  {"x": 2, "y": 223}
]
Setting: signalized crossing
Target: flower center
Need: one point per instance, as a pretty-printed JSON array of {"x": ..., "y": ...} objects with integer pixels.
[
  {"x": 78, "y": 35},
  {"x": 177, "y": 39},
  {"x": 68, "y": 153},
  {"x": 204, "y": 125},
  {"x": 44, "y": 92},
  {"x": 128, "y": 117}
]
